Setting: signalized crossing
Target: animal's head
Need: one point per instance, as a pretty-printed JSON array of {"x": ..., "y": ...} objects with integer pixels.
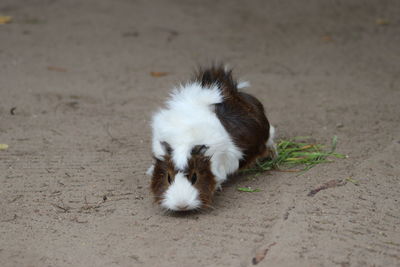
[{"x": 183, "y": 189}]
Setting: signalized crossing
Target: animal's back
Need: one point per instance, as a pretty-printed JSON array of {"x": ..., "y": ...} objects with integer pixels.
[{"x": 241, "y": 114}]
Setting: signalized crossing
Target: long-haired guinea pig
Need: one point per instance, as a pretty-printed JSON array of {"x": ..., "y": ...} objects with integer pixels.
[{"x": 207, "y": 131}]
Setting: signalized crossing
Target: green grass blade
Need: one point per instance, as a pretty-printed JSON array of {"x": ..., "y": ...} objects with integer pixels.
[
  {"x": 248, "y": 189},
  {"x": 296, "y": 153}
]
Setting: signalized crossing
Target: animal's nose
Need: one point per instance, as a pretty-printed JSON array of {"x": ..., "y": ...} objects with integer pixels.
[{"x": 183, "y": 207}]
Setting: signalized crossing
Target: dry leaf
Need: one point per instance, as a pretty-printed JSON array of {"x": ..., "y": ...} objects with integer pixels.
[
  {"x": 3, "y": 146},
  {"x": 158, "y": 73},
  {"x": 5, "y": 19},
  {"x": 260, "y": 255},
  {"x": 59, "y": 69},
  {"x": 382, "y": 22},
  {"x": 327, "y": 38}
]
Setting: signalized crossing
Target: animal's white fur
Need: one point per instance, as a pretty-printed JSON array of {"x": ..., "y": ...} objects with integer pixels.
[
  {"x": 271, "y": 143},
  {"x": 243, "y": 84},
  {"x": 188, "y": 120},
  {"x": 150, "y": 170},
  {"x": 181, "y": 195}
]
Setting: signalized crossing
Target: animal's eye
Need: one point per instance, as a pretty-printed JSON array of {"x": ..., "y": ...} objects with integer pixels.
[
  {"x": 193, "y": 179},
  {"x": 169, "y": 178}
]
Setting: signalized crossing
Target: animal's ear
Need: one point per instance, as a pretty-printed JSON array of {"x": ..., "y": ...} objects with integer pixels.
[
  {"x": 167, "y": 148},
  {"x": 199, "y": 150}
]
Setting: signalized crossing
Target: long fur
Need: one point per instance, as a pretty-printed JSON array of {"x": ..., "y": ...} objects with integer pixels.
[{"x": 209, "y": 112}]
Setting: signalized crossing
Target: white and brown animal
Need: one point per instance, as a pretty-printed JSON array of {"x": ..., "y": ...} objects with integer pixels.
[{"x": 207, "y": 131}]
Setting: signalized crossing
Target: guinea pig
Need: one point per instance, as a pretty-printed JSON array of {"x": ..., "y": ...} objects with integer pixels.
[{"x": 208, "y": 130}]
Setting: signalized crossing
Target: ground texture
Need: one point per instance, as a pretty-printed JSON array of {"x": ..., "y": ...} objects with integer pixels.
[{"x": 72, "y": 186}]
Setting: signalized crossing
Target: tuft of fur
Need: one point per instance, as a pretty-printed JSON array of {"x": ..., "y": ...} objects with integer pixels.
[{"x": 220, "y": 76}]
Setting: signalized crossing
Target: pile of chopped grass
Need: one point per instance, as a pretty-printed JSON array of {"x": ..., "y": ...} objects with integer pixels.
[{"x": 296, "y": 156}]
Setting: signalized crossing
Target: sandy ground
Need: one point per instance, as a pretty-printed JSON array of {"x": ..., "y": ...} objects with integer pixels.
[{"x": 78, "y": 73}]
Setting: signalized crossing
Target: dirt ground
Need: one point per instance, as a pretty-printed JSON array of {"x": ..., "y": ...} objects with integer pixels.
[{"x": 72, "y": 186}]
